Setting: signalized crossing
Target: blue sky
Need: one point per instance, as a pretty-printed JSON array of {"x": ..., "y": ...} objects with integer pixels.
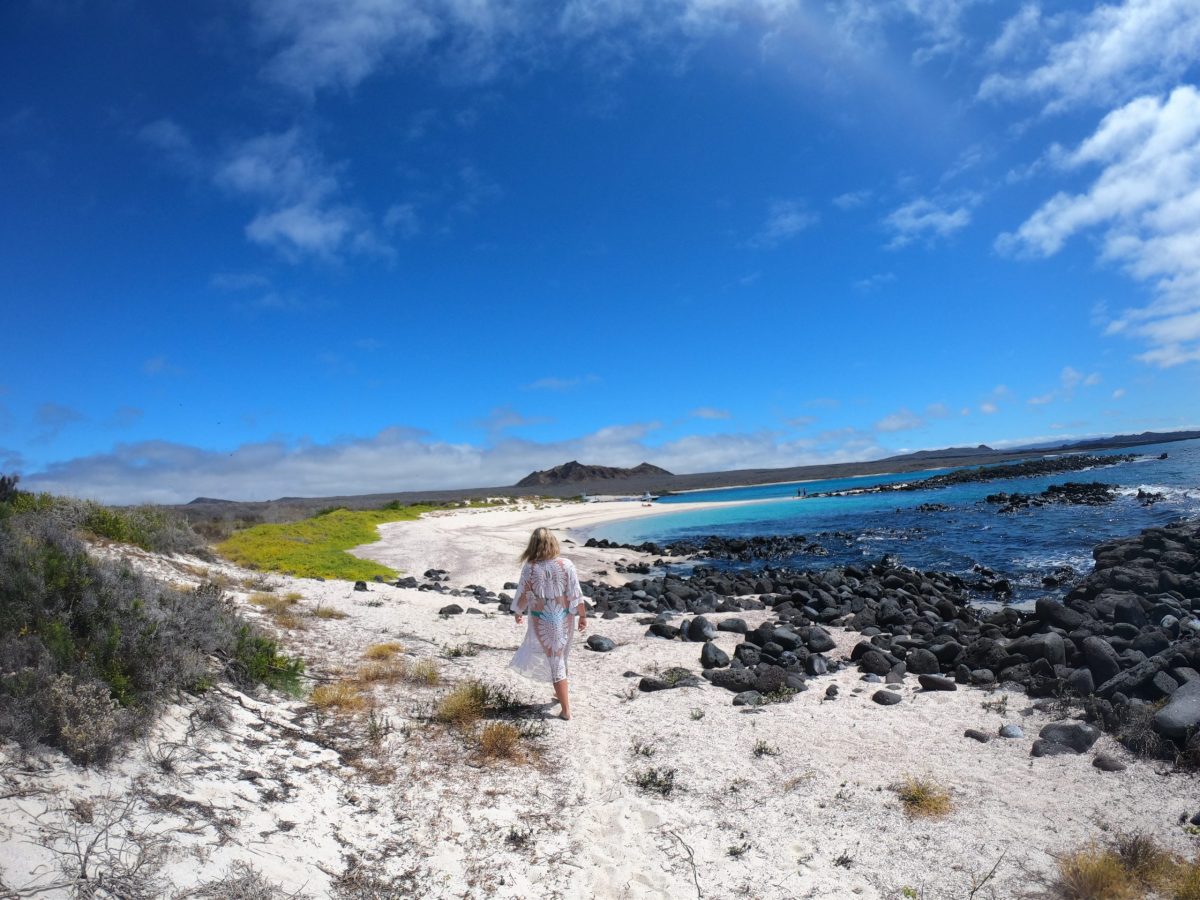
[{"x": 303, "y": 247}]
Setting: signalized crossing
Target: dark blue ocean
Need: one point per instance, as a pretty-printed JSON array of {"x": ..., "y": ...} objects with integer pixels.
[{"x": 1023, "y": 546}]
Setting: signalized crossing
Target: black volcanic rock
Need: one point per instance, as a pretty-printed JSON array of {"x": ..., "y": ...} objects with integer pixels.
[{"x": 575, "y": 471}]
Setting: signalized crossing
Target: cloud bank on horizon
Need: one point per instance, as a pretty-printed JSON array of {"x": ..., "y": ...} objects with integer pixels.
[{"x": 312, "y": 247}]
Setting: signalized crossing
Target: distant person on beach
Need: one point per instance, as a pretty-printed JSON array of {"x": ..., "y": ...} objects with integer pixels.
[{"x": 548, "y": 591}]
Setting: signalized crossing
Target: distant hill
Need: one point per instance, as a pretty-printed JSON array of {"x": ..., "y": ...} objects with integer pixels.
[
  {"x": 955, "y": 452},
  {"x": 575, "y": 471},
  {"x": 208, "y": 500},
  {"x": 1122, "y": 440}
]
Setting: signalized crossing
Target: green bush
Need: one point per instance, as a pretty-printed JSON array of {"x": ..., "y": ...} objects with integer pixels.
[
  {"x": 316, "y": 547},
  {"x": 90, "y": 649}
]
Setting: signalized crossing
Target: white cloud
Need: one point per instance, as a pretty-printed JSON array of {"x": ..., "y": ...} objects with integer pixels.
[
  {"x": 925, "y": 219},
  {"x": 874, "y": 282},
  {"x": 1114, "y": 52},
  {"x": 988, "y": 408},
  {"x": 555, "y": 383},
  {"x": 1146, "y": 202},
  {"x": 709, "y": 412},
  {"x": 1118, "y": 393},
  {"x": 1018, "y": 32},
  {"x": 405, "y": 459},
  {"x": 937, "y": 411},
  {"x": 852, "y": 200},
  {"x": 785, "y": 219},
  {"x": 402, "y": 218},
  {"x": 1042, "y": 399},
  {"x": 901, "y": 420},
  {"x": 295, "y": 189}
]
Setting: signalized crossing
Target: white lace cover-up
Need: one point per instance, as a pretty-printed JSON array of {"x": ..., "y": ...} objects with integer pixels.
[{"x": 548, "y": 593}]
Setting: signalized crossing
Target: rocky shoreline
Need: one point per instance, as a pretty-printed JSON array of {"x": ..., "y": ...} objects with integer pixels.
[
  {"x": 1028, "y": 469},
  {"x": 1123, "y": 645}
]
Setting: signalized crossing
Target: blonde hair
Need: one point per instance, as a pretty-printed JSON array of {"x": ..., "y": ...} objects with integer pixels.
[{"x": 542, "y": 546}]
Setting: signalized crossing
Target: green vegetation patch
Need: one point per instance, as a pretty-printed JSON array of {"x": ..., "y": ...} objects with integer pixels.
[{"x": 316, "y": 547}]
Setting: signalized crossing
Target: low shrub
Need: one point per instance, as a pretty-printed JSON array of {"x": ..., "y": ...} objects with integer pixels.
[
  {"x": 424, "y": 672},
  {"x": 762, "y": 748},
  {"x": 90, "y": 649},
  {"x": 383, "y": 651},
  {"x": 1187, "y": 886},
  {"x": 655, "y": 780},
  {"x": 923, "y": 797},
  {"x": 500, "y": 740},
  {"x": 342, "y": 696},
  {"x": 152, "y": 528},
  {"x": 383, "y": 671},
  {"x": 328, "y": 612},
  {"x": 1094, "y": 873},
  {"x": 463, "y": 706}
]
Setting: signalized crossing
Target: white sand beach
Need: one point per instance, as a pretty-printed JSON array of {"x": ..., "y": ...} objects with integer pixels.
[{"x": 306, "y": 799}]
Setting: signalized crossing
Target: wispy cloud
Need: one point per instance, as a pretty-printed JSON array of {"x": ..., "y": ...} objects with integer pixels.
[
  {"x": 160, "y": 365},
  {"x": 1115, "y": 52},
  {"x": 126, "y": 417},
  {"x": 873, "y": 283},
  {"x": 927, "y": 220},
  {"x": 1146, "y": 203},
  {"x": 852, "y": 200},
  {"x": 295, "y": 189},
  {"x": 709, "y": 412},
  {"x": 408, "y": 459},
  {"x": 556, "y": 383},
  {"x": 51, "y": 418},
  {"x": 785, "y": 219},
  {"x": 901, "y": 420}
]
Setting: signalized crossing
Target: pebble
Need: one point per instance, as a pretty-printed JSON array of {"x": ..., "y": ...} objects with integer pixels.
[
  {"x": 1011, "y": 731},
  {"x": 886, "y": 698}
]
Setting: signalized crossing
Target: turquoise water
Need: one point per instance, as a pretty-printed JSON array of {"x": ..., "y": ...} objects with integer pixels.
[{"x": 1023, "y": 545}]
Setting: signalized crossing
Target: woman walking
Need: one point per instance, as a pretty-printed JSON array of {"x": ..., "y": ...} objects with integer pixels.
[{"x": 548, "y": 591}]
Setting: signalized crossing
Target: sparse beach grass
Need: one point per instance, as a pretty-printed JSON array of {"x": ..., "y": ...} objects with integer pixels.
[
  {"x": 923, "y": 797},
  {"x": 316, "y": 547},
  {"x": 342, "y": 696},
  {"x": 385, "y": 650}
]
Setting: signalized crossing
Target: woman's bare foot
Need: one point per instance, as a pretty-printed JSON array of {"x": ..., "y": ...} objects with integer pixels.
[{"x": 565, "y": 716}]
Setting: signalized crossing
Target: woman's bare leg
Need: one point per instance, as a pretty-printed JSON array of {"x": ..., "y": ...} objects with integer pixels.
[{"x": 560, "y": 691}]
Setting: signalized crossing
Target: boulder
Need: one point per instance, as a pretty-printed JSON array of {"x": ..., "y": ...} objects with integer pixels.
[
  {"x": 748, "y": 698},
  {"x": 874, "y": 663},
  {"x": 1042, "y": 747},
  {"x": 1012, "y": 732},
  {"x": 1181, "y": 716},
  {"x": 1101, "y": 658},
  {"x": 1054, "y": 613},
  {"x": 360, "y": 585},
  {"x": 737, "y": 626},
  {"x": 452, "y": 610},
  {"x": 713, "y": 657},
  {"x": 1077, "y": 736},
  {"x": 699, "y": 629},
  {"x": 886, "y": 698},
  {"x": 937, "y": 683},
  {"x": 976, "y": 735},
  {"x": 600, "y": 644},
  {"x": 733, "y": 679},
  {"x": 1106, "y": 762},
  {"x": 922, "y": 662}
]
